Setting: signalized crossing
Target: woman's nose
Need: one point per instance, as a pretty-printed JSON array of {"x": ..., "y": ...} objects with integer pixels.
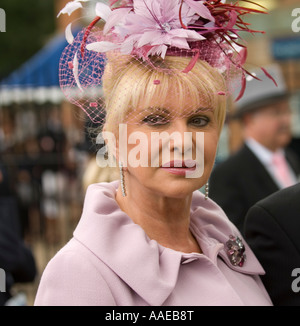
[{"x": 181, "y": 139}]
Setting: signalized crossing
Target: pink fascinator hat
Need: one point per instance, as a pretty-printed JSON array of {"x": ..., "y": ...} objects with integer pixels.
[{"x": 148, "y": 32}]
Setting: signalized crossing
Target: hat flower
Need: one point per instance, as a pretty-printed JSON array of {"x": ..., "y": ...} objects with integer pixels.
[{"x": 151, "y": 27}]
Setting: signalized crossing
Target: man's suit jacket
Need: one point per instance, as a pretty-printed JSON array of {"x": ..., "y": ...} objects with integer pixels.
[
  {"x": 272, "y": 229},
  {"x": 240, "y": 181}
]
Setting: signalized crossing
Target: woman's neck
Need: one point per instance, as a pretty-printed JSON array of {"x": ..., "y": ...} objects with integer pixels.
[{"x": 164, "y": 219}]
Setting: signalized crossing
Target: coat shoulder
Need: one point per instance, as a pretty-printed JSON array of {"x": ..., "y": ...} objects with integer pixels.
[
  {"x": 73, "y": 277},
  {"x": 279, "y": 210},
  {"x": 282, "y": 201}
]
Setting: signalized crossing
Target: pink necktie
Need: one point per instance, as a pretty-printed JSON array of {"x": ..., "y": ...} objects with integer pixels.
[{"x": 282, "y": 170}]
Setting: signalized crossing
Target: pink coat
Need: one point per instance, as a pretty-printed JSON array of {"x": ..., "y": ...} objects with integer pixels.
[{"x": 111, "y": 261}]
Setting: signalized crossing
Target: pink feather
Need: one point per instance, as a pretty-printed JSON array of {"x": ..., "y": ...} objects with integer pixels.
[
  {"x": 243, "y": 88},
  {"x": 115, "y": 17},
  {"x": 112, "y": 2},
  {"x": 243, "y": 55},
  {"x": 232, "y": 20},
  {"x": 269, "y": 76},
  {"x": 193, "y": 61},
  {"x": 200, "y": 9}
]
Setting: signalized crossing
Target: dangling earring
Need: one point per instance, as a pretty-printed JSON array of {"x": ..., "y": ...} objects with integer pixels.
[
  {"x": 206, "y": 190},
  {"x": 122, "y": 179}
]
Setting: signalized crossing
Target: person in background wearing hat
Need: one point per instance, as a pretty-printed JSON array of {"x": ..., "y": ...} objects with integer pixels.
[{"x": 263, "y": 164}]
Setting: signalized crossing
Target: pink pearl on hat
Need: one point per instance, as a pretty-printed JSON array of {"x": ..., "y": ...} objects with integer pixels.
[
  {"x": 93, "y": 104},
  {"x": 70, "y": 63},
  {"x": 156, "y": 82}
]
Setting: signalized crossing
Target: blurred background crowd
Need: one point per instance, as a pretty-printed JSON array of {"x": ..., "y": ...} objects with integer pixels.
[{"x": 45, "y": 151}]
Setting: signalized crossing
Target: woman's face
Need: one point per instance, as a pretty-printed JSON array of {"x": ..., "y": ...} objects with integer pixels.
[{"x": 168, "y": 154}]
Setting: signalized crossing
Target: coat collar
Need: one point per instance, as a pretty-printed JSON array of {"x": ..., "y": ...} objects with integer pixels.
[{"x": 148, "y": 268}]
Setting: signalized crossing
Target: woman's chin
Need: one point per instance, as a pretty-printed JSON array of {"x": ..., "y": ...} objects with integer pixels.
[{"x": 180, "y": 189}]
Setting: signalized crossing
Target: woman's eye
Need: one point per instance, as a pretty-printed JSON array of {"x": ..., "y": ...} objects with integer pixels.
[
  {"x": 199, "y": 121},
  {"x": 155, "y": 120}
]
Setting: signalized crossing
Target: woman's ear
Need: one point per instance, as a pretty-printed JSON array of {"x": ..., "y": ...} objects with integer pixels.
[{"x": 110, "y": 142}]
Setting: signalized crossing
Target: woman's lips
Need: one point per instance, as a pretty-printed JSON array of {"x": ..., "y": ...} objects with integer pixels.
[{"x": 179, "y": 167}]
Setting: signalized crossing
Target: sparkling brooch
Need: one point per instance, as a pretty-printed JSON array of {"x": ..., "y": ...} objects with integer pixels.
[{"x": 235, "y": 251}]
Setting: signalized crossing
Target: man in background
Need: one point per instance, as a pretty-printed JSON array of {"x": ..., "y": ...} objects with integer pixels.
[
  {"x": 272, "y": 230},
  {"x": 263, "y": 164},
  {"x": 16, "y": 259}
]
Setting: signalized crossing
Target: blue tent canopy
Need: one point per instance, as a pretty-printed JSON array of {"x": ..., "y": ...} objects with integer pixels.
[
  {"x": 37, "y": 79},
  {"x": 42, "y": 69}
]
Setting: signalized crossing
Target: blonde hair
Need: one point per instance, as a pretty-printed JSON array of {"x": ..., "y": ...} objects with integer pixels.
[{"x": 128, "y": 82}]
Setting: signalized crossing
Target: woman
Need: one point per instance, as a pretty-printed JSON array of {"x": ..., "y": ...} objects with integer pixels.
[{"x": 153, "y": 238}]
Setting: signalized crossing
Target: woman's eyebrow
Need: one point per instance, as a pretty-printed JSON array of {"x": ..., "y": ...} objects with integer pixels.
[
  {"x": 156, "y": 110},
  {"x": 203, "y": 109},
  {"x": 161, "y": 110}
]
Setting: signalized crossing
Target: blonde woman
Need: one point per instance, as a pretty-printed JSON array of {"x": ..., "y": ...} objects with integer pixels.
[{"x": 152, "y": 238}]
